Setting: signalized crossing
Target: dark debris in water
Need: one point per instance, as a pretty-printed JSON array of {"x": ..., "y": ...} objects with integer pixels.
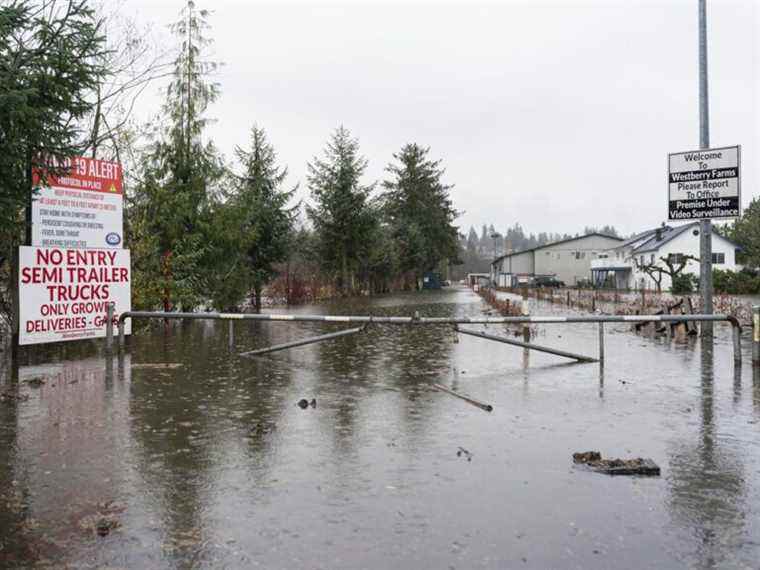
[
  {"x": 303, "y": 403},
  {"x": 10, "y": 397},
  {"x": 635, "y": 466},
  {"x": 462, "y": 452},
  {"x": 103, "y": 520}
]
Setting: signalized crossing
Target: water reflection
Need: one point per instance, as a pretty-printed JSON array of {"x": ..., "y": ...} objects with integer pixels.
[
  {"x": 57, "y": 468},
  {"x": 214, "y": 465},
  {"x": 707, "y": 485}
]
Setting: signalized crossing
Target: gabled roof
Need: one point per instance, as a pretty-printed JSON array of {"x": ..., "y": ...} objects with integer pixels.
[
  {"x": 666, "y": 234},
  {"x": 552, "y": 244},
  {"x": 638, "y": 238}
]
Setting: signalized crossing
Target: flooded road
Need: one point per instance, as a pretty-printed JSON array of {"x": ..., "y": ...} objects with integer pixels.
[{"x": 210, "y": 463}]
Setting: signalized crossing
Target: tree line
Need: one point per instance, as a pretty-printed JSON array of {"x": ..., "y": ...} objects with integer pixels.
[{"x": 203, "y": 233}]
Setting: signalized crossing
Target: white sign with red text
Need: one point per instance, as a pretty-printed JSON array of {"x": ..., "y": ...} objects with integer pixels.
[
  {"x": 64, "y": 292},
  {"x": 83, "y": 207}
]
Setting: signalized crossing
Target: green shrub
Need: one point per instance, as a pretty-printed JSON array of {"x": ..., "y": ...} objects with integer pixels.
[
  {"x": 744, "y": 282},
  {"x": 684, "y": 283}
]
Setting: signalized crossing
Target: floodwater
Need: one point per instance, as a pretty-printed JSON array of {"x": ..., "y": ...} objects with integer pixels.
[{"x": 212, "y": 464}]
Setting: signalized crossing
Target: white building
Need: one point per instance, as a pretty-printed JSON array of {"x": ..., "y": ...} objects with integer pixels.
[
  {"x": 567, "y": 260},
  {"x": 621, "y": 266}
]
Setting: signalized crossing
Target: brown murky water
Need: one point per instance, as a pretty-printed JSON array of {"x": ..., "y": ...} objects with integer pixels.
[{"x": 211, "y": 464}]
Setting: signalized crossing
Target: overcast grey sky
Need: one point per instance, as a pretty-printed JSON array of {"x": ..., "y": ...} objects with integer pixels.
[{"x": 555, "y": 114}]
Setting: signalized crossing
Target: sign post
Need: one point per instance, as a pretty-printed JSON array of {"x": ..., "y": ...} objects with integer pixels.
[{"x": 705, "y": 226}]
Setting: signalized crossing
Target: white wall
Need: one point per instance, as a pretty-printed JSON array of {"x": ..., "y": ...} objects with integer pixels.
[
  {"x": 686, "y": 243},
  {"x": 571, "y": 261}
]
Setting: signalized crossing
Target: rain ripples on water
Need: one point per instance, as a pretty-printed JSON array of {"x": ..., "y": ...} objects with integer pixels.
[{"x": 185, "y": 455}]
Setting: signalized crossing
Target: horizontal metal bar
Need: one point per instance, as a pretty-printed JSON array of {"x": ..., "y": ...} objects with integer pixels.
[
  {"x": 430, "y": 320},
  {"x": 301, "y": 342},
  {"x": 539, "y": 348}
]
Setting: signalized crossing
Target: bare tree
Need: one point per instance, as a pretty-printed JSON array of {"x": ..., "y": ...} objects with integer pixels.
[
  {"x": 134, "y": 59},
  {"x": 672, "y": 266}
]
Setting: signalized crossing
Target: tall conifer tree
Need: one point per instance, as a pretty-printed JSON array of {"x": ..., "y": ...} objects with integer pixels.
[
  {"x": 341, "y": 215},
  {"x": 178, "y": 179},
  {"x": 420, "y": 211}
]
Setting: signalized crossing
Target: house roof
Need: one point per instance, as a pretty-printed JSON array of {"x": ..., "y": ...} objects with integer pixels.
[
  {"x": 666, "y": 234},
  {"x": 552, "y": 244},
  {"x": 661, "y": 236}
]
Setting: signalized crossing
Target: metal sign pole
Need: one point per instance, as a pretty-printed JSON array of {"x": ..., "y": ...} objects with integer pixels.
[{"x": 705, "y": 233}]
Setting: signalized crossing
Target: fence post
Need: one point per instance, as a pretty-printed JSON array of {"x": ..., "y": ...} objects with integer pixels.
[
  {"x": 109, "y": 326},
  {"x": 231, "y": 334},
  {"x": 121, "y": 335},
  {"x": 526, "y": 326},
  {"x": 756, "y": 335},
  {"x": 736, "y": 333},
  {"x": 601, "y": 343}
]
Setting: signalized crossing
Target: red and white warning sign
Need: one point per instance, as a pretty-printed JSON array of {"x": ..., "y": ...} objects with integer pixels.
[
  {"x": 81, "y": 208},
  {"x": 64, "y": 292}
]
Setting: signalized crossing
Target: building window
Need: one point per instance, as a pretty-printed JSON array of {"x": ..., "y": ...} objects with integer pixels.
[
  {"x": 718, "y": 258},
  {"x": 676, "y": 258}
]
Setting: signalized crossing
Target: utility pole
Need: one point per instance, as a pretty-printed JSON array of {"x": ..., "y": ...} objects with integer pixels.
[{"x": 705, "y": 226}]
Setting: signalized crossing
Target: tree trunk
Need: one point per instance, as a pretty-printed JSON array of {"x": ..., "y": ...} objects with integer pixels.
[
  {"x": 344, "y": 274},
  {"x": 287, "y": 283},
  {"x": 96, "y": 125},
  {"x": 167, "y": 271},
  {"x": 257, "y": 298},
  {"x": 14, "y": 301}
]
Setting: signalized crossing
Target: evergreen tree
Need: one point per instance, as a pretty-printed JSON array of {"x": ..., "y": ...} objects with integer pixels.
[
  {"x": 746, "y": 232},
  {"x": 420, "y": 211},
  {"x": 267, "y": 221},
  {"x": 51, "y": 61},
  {"x": 341, "y": 216},
  {"x": 174, "y": 198}
]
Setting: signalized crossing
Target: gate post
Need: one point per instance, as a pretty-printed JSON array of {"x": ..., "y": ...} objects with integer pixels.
[
  {"x": 601, "y": 343},
  {"x": 109, "y": 326},
  {"x": 756, "y": 335}
]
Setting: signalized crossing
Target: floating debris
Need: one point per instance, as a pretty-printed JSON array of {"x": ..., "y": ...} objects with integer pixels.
[
  {"x": 635, "y": 466},
  {"x": 463, "y": 452},
  {"x": 9, "y": 397},
  {"x": 103, "y": 520},
  {"x": 263, "y": 428},
  {"x": 587, "y": 456},
  {"x": 303, "y": 403},
  {"x": 105, "y": 525},
  {"x": 36, "y": 382}
]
